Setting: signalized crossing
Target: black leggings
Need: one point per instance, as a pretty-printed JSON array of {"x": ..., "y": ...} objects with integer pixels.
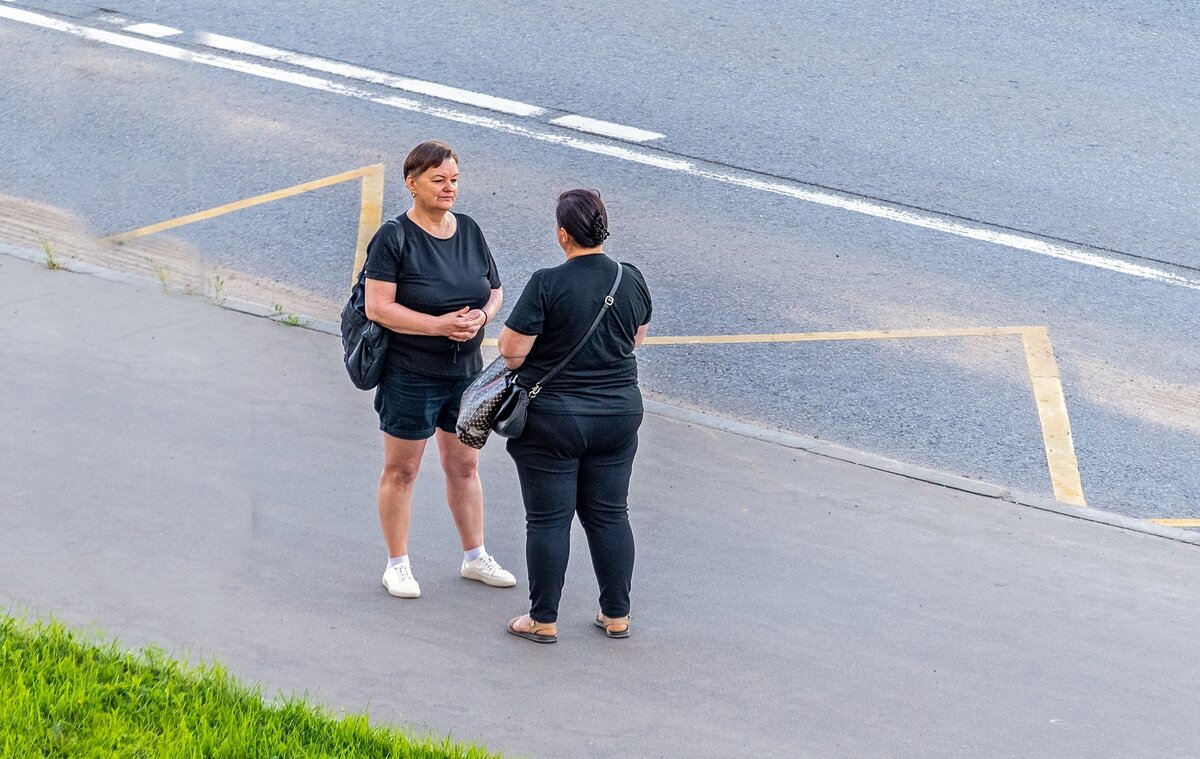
[{"x": 569, "y": 465}]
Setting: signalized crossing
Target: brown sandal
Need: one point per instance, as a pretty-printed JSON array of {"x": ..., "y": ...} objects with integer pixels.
[
  {"x": 613, "y": 627},
  {"x": 539, "y": 632}
]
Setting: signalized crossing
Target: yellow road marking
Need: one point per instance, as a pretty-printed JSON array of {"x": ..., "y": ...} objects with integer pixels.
[
  {"x": 1052, "y": 413},
  {"x": 1043, "y": 370},
  {"x": 802, "y": 337},
  {"x": 1043, "y": 375},
  {"x": 1177, "y": 522},
  {"x": 370, "y": 215},
  {"x": 372, "y": 177}
]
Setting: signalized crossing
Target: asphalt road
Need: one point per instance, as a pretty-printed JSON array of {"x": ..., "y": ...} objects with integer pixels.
[
  {"x": 1071, "y": 119},
  {"x": 1065, "y": 121}
]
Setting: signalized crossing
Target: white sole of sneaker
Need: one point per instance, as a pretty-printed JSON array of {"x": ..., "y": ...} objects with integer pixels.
[
  {"x": 492, "y": 581},
  {"x": 402, "y": 594}
]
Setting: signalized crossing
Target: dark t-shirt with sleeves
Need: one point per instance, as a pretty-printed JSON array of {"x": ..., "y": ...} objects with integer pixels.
[
  {"x": 434, "y": 276},
  {"x": 558, "y": 305}
]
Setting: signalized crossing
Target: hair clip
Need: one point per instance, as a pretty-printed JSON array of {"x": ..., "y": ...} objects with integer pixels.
[{"x": 599, "y": 231}]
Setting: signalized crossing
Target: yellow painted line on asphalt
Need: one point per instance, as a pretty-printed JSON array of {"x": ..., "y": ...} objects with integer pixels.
[
  {"x": 1052, "y": 413},
  {"x": 1043, "y": 375},
  {"x": 1177, "y": 522},
  {"x": 1043, "y": 370},
  {"x": 803, "y": 337},
  {"x": 370, "y": 175},
  {"x": 370, "y": 214}
]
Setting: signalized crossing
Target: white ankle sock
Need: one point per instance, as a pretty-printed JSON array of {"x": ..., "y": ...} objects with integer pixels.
[
  {"x": 394, "y": 560},
  {"x": 473, "y": 554}
]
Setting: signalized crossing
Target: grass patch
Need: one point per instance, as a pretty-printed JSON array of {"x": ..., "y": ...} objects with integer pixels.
[
  {"x": 62, "y": 696},
  {"x": 48, "y": 250},
  {"x": 280, "y": 316}
]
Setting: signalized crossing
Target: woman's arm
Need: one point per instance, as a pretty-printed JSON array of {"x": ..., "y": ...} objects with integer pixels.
[
  {"x": 382, "y": 308},
  {"x": 514, "y": 347},
  {"x": 640, "y": 336},
  {"x": 492, "y": 307}
]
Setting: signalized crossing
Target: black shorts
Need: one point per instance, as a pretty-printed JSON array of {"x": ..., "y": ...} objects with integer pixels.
[{"x": 411, "y": 406}]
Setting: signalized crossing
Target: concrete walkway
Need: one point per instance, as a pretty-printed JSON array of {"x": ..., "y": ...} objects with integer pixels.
[{"x": 184, "y": 475}]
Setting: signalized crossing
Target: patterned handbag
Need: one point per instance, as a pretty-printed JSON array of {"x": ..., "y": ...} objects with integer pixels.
[{"x": 480, "y": 401}]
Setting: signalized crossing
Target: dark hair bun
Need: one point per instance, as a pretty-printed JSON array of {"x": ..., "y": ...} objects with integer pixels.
[
  {"x": 599, "y": 230},
  {"x": 583, "y": 215}
]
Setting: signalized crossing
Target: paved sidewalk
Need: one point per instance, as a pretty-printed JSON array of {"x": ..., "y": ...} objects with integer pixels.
[{"x": 180, "y": 474}]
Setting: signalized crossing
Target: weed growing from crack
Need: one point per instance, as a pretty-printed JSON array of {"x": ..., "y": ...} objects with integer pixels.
[
  {"x": 159, "y": 271},
  {"x": 216, "y": 284},
  {"x": 48, "y": 250}
]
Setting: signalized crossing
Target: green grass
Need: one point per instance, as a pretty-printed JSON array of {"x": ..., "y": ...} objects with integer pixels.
[{"x": 63, "y": 696}]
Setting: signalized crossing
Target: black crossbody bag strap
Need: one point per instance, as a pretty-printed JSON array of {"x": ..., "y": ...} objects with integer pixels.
[{"x": 608, "y": 302}]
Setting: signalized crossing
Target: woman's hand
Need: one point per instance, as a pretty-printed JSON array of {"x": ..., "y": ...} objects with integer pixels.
[
  {"x": 460, "y": 326},
  {"x": 473, "y": 321},
  {"x": 479, "y": 316},
  {"x": 640, "y": 337}
]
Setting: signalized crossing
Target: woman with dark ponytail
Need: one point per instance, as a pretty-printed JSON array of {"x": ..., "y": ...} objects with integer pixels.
[{"x": 576, "y": 453}]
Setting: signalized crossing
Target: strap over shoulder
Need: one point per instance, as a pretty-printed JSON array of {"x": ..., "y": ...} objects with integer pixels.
[
  {"x": 608, "y": 302},
  {"x": 398, "y": 223}
]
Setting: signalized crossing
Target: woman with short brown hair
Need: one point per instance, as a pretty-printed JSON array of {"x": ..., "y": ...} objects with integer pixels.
[{"x": 432, "y": 282}]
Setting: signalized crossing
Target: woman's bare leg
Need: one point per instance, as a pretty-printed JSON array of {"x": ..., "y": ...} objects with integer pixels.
[
  {"x": 464, "y": 491},
  {"x": 401, "y": 462}
]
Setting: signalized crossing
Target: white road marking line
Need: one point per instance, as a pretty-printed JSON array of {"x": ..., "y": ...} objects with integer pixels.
[
  {"x": 350, "y": 71},
  {"x": 738, "y": 179},
  {"x": 487, "y": 122},
  {"x": 945, "y": 224},
  {"x": 96, "y": 35},
  {"x": 153, "y": 30},
  {"x": 606, "y": 128}
]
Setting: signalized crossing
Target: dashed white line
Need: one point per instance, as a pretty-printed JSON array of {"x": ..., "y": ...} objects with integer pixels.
[
  {"x": 153, "y": 30},
  {"x": 350, "y": 71},
  {"x": 432, "y": 89},
  {"x": 739, "y": 179},
  {"x": 606, "y": 128}
]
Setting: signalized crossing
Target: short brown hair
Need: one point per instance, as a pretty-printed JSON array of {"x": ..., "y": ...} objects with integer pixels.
[{"x": 426, "y": 156}]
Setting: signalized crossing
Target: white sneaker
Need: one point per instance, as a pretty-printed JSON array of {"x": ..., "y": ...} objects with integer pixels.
[
  {"x": 487, "y": 570},
  {"x": 400, "y": 582}
]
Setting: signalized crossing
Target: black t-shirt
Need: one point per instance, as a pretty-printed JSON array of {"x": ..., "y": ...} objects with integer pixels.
[
  {"x": 434, "y": 276},
  {"x": 558, "y": 305}
]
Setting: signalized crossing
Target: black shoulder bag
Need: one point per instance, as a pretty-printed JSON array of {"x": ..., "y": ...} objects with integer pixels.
[
  {"x": 364, "y": 342},
  {"x": 495, "y": 402}
]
